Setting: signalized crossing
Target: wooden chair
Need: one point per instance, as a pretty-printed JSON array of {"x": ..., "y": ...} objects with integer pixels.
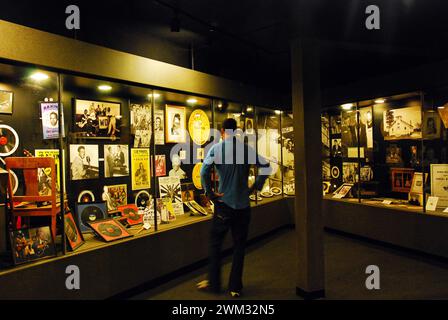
[{"x": 30, "y": 168}]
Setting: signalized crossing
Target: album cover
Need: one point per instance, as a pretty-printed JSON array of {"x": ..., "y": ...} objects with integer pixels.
[
  {"x": 159, "y": 131},
  {"x": 74, "y": 236},
  {"x": 141, "y": 125},
  {"x": 130, "y": 211},
  {"x": 140, "y": 169},
  {"x": 143, "y": 199},
  {"x": 90, "y": 212},
  {"x": 84, "y": 162},
  {"x": 6, "y": 100},
  {"x": 97, "y": 119},
  {"x": 199, "y": 127},
  {"x": 115, "y": 196},
  {"x": 175, "y": 123},
  {"x": 109, "y": 230},
  {"x": 116, "y": 160},
  {"x": 160, "y": 165},
  {"x": 403, "y": 123},
  {"x": 32, "y": 244},
  {"x": 187, "y": 195}
]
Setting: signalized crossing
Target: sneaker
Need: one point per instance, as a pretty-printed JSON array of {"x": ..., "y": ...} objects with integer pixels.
[{"x": 235, "y": 294}]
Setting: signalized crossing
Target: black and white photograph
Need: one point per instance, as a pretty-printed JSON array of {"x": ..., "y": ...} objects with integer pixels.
[
  {"x": 141, "y": 125},
  {"x": 336, "y": 147},
  {"x": 116, "y": 160},
  {"x": 431, "y": 125},
  {"x": 393, "y": 154},
  {"x": 175, "y": 124},
  {"x": 350, "y": 172},
  {"x": 403, "y": 123},
  {"x": 335, "y": 124},
  {"x": 84, "y": 161}
]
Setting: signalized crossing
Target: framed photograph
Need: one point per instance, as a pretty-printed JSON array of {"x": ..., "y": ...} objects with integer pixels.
[
  {"x": 175, "y": 123},
  {"x": 90, "y": 212},
  {"x": 342, "y": 191},
  {"x": 393, "y": 155},
  {"x": 115, "y": 196},
  {"x": 443, "y": 113},
  {"x": 403, "y": 123},
  {"x": 431, "y": 125},
  {"x": 6, "y": 100},
  {"x": 350, "y": 172},
  {"x": 164, "y": 208},
  {"x": 32, "y": 244},
  {"x": 84, "y": 162},
  {"x": 130, "y": 212},
  {"x": 116, "y": 160},
  {"x": 439, "y": 183},
  {"x": 141, "y": 125},
  {"x": 44, "y": 174},
  {"x": 74, "y": 236},
  {"x": 417, "y": 183},
  {"x": 140, "y": 169},
  {"x": 366, "y": 173},
  {"x": 97, "y": 119},
  {"x": 109, "y": 230},
  {"x": 336, "y": 147},
  {"x": 335, "y": 124},
  {"x": 159, "y": 131},
  {"x": 401, "y": 179},
  {"x": 169, "y": 187},
  {"x": 160, "y": 164}
]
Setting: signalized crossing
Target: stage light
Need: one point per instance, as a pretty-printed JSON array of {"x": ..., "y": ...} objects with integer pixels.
[{"x": 104, "y": 87}]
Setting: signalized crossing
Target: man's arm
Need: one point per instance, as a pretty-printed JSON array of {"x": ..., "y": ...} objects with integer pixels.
[{"x": 206, "y": 171}]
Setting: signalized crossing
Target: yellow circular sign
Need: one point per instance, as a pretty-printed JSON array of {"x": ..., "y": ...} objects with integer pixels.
[
  {"x": 196, "y": 176},
  {"x": 199, "y": 127}
]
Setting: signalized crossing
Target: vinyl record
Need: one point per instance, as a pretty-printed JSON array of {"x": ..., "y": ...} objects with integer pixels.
[
  {"x": 109, "y": 230},
  {"x": 266, "y": 194},
  {"x": 276, "y": 191},
  {"x": 86, "y": 196},
  {"x": 91, "y": 214},
  {"x": 335, "y": 172},
  {"x": 9, "y": 140},
  {"x": 142, "y": 199},
  {"x": 131, "y": 214}
]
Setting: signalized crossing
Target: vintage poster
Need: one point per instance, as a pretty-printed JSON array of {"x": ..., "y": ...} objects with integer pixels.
[
  {"x": 140, "y": 169},
  {"x": 116, "y": 160},
  {"x": 141, "y": 125},
  {"x": 159, "y": 131},
  {"x": 439, "y": 183},
  {"x": 199, "y": 127},
  {"x": 160, "y": 164},
  {"x": 175, "y": 124},
  {"x": 44, "y": 174},
  {"x": 404, "y": 123},
  {"x": 115, "y": 196},
  {"x": 84, "y": 161},
  {"x": 50, "y": 120},
  {"x": 169, "y": 188}
]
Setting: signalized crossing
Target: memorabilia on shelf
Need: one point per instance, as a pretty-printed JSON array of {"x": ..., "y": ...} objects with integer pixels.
[
  {"x": 116, "y": 160},
  {"x": 9, "y": 140},
  {"x": 393, "y": 155},
  {"x": 90, "y": 212},
  {"x": 151, "y": 213},
  {"x": 325, "y": 131},
  {"x": 431, "y": 125},
  {"x": 335, "y": 172},
  {"x": 335, "y": 124},
  {"x": 141, "y": 125},
  {"x": 86, "y": 196},
  {"x": 403, "y": 123},
  {"x": 326, "y": 174},
  {"x": 350, "y": 172},
  {"x": 187, "y": 195},
  {"x": 276, "y": 191},
  {"x": 206, "y": 203},
  {"x": 44, "y": 174},
  {"x": 366, "y": 127},
  {"x": 169, "y": 187},
  {"x": 160, "y": 164},
  {"x": 431, "y": 203},
  {"x": 177, "y": 171},
  {"x": 143, "y": 199},
  {"x": 195, "y": 207},
  {"x": 401, "y": 179},
  {"x": 175, "y": 124},
  {"x": 109, "y": 230},
  {"x": 439, "y": 183},
  {"x": 266, "y": 193},
  {"x": 115, "y": 196},
  {"x": 131, "y": 213},
  {"x": 97, "y": 119},
  {"x": 417, "y": 182},
  {"x": 443, "y": 113},
  {"x": 326, "y": 187},
  {"x": 84, "y": 162},
  {"x": 159, "y": 132},
  {"x": 162, "y": 209},
  {"x": 74, "y": 236},
  {"x": 200, "y": 153},
  {"x": 32, "y": 244},
  {"x": 352, "y": 152},
  {"x": 336, "y": 147},
  {"x": 256, "y": 197},
  {"x": 289, "y": 188},
  {"x": 183, "y": 154},
  {"x": 6, "y": 100},
  {"x": 249, "y": 126},
  {"x": 342, "y": 191},
  {"x": 50, "y": 120},
  {"x": 196, "y": 176},
  {"x": 366, "y": 173},
  {"x": 199, "y": 127},
  {"x": 140, "y": 169},
  {"x": 415, "y": 158}
]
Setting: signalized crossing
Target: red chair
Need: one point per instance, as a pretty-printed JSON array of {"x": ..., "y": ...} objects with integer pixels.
[{"x": 30, "y": 167}]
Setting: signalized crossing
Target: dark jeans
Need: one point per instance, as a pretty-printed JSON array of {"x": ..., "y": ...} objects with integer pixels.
[{"x": 237, "y": 221}]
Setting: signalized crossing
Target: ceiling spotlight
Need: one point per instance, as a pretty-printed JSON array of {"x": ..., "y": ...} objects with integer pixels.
[
  {"x": 175, "y": 23},
  {"x": 249, "y": 109},
  {"x": 192, "y": 101},
  {"x": 39, "y": 76},
  {"x": 278, "y": 112},
  {"x": 441, "y": 107},
  {"x": 104, "y": 87},
  {"x": 380, "y": 101},
  {"x": 347, "y": 106}
]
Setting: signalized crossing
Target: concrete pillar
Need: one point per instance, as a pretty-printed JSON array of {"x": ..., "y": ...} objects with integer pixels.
[{"x": 310, "y": 282}]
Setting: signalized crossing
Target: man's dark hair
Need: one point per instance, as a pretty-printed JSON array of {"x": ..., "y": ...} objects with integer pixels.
[
  {"x": 81, "y": 148},
  {"x": 229, "y": 124}
]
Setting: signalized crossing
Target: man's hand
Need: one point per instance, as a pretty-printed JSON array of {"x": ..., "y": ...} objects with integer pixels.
[{"x": 212, "y": 196}]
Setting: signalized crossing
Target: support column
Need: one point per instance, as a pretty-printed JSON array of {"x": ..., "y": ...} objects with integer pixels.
[{"x": 310, "y": 282}]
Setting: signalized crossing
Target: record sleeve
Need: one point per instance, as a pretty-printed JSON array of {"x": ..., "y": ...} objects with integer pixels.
[{"x": 90, "y": 212}]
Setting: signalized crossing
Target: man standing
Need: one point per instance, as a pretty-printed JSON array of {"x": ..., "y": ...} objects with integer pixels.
[
  {"x": 78, "y": 167},
  {"x": 232, "y": 206},
  {"x": 110, "y": 163}
]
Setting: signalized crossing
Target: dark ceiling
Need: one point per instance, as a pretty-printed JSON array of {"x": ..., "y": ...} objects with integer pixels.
[{"x": 248, "y": 40}]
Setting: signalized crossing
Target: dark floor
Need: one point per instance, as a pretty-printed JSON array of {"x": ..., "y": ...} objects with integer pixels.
[{"x": 270, "y": 273}]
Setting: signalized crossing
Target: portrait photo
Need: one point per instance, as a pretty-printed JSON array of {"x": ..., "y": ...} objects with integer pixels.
[
  {"x": 249, "y": 126},
  {"x": 116, "y": 160},
  {"x": 175, "y": 119},
  {"x": 431, "y": 125},
  {"x": 84, "y": 162},
  {"x": 159, "y": 131},
  {"x": 141, "y": 125}
]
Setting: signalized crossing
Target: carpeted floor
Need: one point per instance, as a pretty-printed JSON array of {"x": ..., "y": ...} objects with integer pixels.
[{"x": 270, "y": 273}]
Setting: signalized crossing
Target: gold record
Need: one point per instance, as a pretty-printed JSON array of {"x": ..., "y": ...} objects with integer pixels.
[
  {"x": 197, "y": 176},
  {"x": 199, "y": 127}
]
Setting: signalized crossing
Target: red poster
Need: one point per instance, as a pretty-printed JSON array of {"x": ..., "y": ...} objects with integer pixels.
[{"x": 160, "y": 166}]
